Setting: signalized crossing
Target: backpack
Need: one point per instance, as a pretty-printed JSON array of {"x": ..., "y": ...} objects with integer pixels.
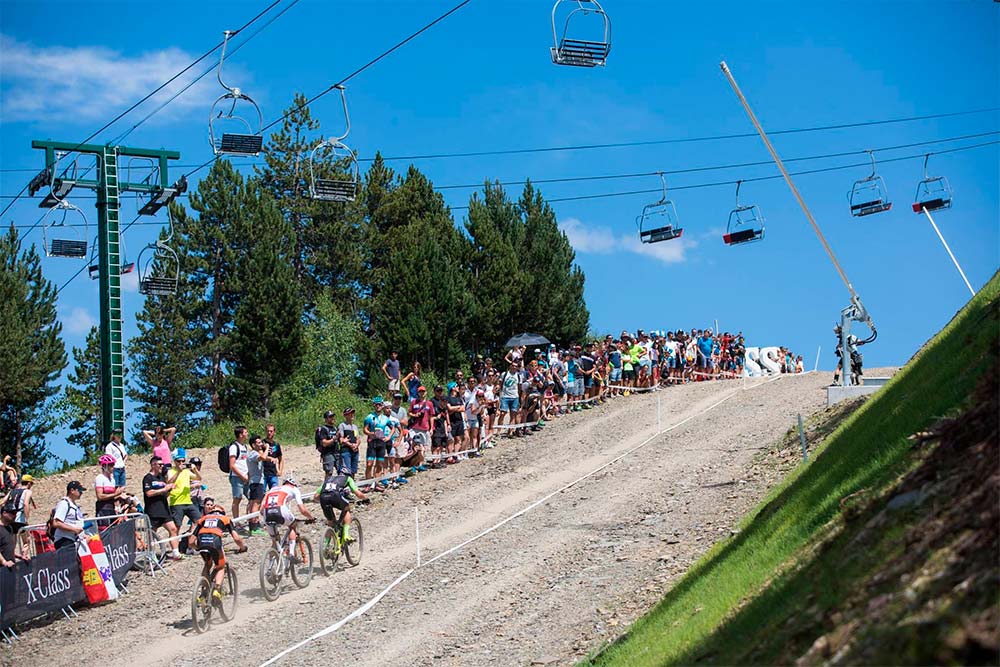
[
  {"x": 224, "y": 458},
  {"x": 13, "y": 502},
  {"x": 50, "y": 529}
]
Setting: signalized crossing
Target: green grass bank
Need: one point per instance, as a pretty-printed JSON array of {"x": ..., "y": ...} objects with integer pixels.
[{"x": 762, "y": 595}]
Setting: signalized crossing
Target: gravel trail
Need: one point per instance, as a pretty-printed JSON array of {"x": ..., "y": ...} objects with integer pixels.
[{"x": 544, "y": 588}]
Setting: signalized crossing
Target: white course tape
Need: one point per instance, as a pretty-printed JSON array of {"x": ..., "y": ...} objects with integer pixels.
[
  {"x": 371, "y": 603},
  {"x": 336, "y": 626},
  {"x": 507, "y": 427},
  {"x": 435, "y": 457},
  {"x": 634, "y": 390}
]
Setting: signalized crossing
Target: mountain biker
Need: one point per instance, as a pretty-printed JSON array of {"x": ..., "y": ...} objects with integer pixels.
[
  {"x": 332, "y": 497},
  {"x": 207, "y": 539},
  {"x": 278, "y": 511}
]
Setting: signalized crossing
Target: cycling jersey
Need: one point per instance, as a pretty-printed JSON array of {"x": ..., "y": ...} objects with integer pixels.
[
  {"x": 276, "y": 505},
  {"x": 209, "y": 531},
  {"x": 331, "y": 494}
]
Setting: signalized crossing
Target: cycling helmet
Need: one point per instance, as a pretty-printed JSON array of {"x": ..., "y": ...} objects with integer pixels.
[
  {"x": 216, "y": 509},
  {"x": 291, "y": 480},
  {"x": 106, "y": 460}
]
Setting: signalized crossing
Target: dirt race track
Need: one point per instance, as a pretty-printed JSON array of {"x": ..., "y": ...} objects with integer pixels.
[{"x": 544, "y": 588}]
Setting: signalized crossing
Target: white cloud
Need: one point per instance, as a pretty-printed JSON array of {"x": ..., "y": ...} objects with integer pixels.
[
  {"x": 601, "y": 240},
  {"x": 89, "y": 83},
  {"x": 77, "y": 321},
  {"x": 130, "y": 281}
]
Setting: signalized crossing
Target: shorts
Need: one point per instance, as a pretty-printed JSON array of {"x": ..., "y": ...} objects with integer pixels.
[
  {"x": 375, "y": 450},
  {"x": 510, "y": 405},
  {"x": 473, "y": 422},
  {"x": 329, "y": 460},
  {"x": 615, "y": 375},
  {"x": 394, "y": 384},
  {"x": 629, "y": 374},
  {"x": 278, "y": 516},
  {"x": 588, "y": 381},
  {"x": 645, "y": 362},
  {"x": 457, "y": 429},
  {"x": 330, "y": 502},
  {"x": 255, "y": 492},
  {"x": 439, "y": 440},
  {"x": 119, "y": 474},
  {"x": 157, "y": 522},
  {"x": 210, "y": 548},
  {"x": 671, "y": 362},
  {"x": 579, "y": 387},
  {"x": 238, "y": 486},
  {"x": 271, "y": 481}
]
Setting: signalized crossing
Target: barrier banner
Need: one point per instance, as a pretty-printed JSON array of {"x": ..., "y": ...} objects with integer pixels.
[
  {"x": 46, "y": 583},
  {"x": 119, "y": 545}
]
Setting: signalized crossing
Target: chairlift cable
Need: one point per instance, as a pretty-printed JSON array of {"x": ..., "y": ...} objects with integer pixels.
[{"x": 149, "y": 95}]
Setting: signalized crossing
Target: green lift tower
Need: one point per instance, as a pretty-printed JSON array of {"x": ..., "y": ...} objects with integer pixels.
[{"x": 109, "y": 187}]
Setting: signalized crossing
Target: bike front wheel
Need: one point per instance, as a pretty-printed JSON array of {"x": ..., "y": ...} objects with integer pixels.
[
  {"x": 329, "y": 550},
  {"x": 355, "y": 545},
  {"x": 201, "y": 604},
  {"x": 230, "y": 593},
  {"x": 302, "y": 565},
  {"x": 270, "y": 574}
]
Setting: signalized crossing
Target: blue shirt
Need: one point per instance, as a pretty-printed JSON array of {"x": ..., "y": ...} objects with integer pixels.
[
  {"x": 705, "y": 345},
  {"x": 615, "y": 358}
]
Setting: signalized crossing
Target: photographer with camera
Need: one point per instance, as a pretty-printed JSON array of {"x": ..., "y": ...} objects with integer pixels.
[{"x": 181, "y": 505}]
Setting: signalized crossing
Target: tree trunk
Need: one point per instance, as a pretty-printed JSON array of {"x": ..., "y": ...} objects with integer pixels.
[
  {"x": 17, "y": 439},
  {"x": 216, "y": 331}
]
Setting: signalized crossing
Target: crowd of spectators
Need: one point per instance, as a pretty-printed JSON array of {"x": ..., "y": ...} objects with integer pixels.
[{"x": 411, "y": 429}]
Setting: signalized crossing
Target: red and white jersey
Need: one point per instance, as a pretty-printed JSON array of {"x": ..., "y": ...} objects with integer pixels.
[{"x": 279, "y": 497}]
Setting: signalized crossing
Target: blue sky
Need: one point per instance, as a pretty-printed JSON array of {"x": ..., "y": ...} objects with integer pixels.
[{"x": 482, "y": 80}]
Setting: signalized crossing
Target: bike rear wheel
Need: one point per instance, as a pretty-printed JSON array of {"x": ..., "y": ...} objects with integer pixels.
[
  {"x": 201, "y": 604},
  {"x": 355, "y": 548},
  {"x": 230, "y": 595},
  {"x": 270, "y": 574},
  {"x": 302, "y": 571},
  {"x": 329, "y": 550}
]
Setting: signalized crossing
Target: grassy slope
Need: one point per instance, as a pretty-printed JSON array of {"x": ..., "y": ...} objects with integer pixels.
[{"x": 866, "y": 453}]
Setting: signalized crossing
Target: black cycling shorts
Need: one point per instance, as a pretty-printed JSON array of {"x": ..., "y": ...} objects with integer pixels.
[
  {"x": 330, "y": 502},
  {"x": 210, "y": 547},
  {"x": 273, "y": 515}
]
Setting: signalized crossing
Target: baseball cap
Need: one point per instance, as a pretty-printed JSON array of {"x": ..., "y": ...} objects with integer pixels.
[
  {"x": 377, "y": 400},
  {"x": 328, "y": 414},
  {"x": 75, "y": 485},
  {"x": 8, "y": 509},
  {"x": 25, "y": 479},
  {"x": 195, "y": 461},
  {"x": 451, "y": 385},
  {"x": 421, "y": 388},
  {"x": 438, "y": 387},
  {"x": 397, "y": 395},
  {"x": 179, "y": 453},
  {"x": 348, "y": 410}
]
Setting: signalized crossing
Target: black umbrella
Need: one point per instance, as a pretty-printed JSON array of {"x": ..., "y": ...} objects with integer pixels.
[{"x": 527, "y": 339}]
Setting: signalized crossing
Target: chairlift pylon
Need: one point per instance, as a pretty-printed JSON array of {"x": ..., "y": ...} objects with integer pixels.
[
  {"x": 335, "y": 189},
  {"x": 658, "y": 221},
  {"x": 746, "y": 223},
  {"x": 159, "y": 265},
  {"x": 247, "y": 142},
  {"x": 933, "y": 192},
  {"x": 569, "y": 46},
  {"x": 58, "y": 239},
  {"x": 869, "y": 195}
]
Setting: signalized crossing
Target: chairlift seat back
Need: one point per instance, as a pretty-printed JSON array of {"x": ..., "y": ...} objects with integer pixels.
[
  {"x": 240, "y": 144},
  {"x": 72, "y": 248},
  {"x": 742, "y": 236},
  {"x": 660, "y": 234},
  {"x": 158, "y": 286},
  {"x": 330, "y": 189},
  {"x": 935, "y": 204},
  {"x": 581, "y": 53},
  {"x": 933, "y": 193},
  {"x": 870, "y": 207}
]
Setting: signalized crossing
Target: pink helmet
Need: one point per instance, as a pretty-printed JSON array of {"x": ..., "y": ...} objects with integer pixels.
[{"x": 106, "y": 460}]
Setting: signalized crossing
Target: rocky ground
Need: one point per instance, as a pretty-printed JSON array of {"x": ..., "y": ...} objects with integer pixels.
[{"x": 543, "y": 588}]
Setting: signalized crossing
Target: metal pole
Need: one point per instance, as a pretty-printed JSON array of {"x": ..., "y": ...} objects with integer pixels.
[
  {"x": 788, "y": 178},
  {"x": 950, "y": 253},
  {"x": 802, "y": 440},
  {"x": 816, "y": 366},
  {"x": 416, "y": 520}
]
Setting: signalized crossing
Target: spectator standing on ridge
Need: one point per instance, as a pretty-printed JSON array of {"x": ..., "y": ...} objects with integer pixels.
[
  {"x": 180, "y": 477},
  {"x": 105, "y": 492},
  {"x": 239, "y": 477},
  {"x": 117, "y": 450},
  {"x": 19, "y": 499},
  {"x": 6, "y": 537},
  {"x": 274, "y": 463},
  {"x": 350, "y": 445},
  {"x": 412, "y": 382},
  {"x": 419, "y": 420},
  {"x": 376, "y": 427},
  {"x": 391, "y": 371},
  {"x": 160, "y": 440},
  {"x": 441, "y": 434},
  {"x": 326, "y": 442},
  {"x": 510, "y": 403},
  {"x": 155, "y": 490},
  {"x": 67, "y": 519},
  {"x": 198, "y": 490},
  {"x": 256, "y": 458},
  {"x": 456, "y": 415}
]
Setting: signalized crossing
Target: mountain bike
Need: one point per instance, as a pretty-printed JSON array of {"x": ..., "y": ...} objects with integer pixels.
[
  {"x": 202, "y": 600},
  {"x": 278, "y": 561},
  {"x": 333, "y": 544}
]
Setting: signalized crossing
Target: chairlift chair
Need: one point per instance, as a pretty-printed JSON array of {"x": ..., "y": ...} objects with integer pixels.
[
  {"x": 159, "y": 266},
  {"x": 658, "y": 221},
  {"x": 746, "y": 223},
  {"x": 246, "y": 142},
  {"x": 335, "y": 189},
  {"x": 933, "y": 192},
  {"x": 569, "y": 48},
  {"x": 869, "y": 195},
  {"x": 58, "y": 239},
  {"x": 60, "y": 183}
]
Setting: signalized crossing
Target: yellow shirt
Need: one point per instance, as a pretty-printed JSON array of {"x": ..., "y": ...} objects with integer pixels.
[{"x": 181, "y": 493}]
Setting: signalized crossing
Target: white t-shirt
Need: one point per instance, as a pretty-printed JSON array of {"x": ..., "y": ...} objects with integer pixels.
[
  {"x": 116, "y": 450},
  {"x": 670, "y": 347},
  {"x": 69, "y": 513},
  {"x": 471, "y": 404},
  {"x": 508, "y": 385},
  {"x": 240, "y": 451}
]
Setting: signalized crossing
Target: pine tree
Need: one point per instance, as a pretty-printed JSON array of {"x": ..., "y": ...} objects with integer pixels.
[
  {"x": 32, "y": 354},
  {"x": 83, "y": 397},
  {"x": 165, "y": 359},
  {"x": 265, "y": 346}
]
